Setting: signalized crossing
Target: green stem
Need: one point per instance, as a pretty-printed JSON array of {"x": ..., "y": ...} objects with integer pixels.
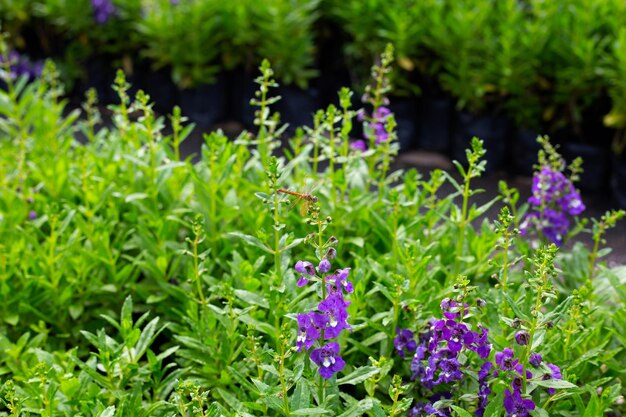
[
  {"x": 383, "y": 175},
  {"x": 277, "y": 249},
  {"x": 593, "y": 256},
  {"x": 461, "y": 238},
  {"x": 197, "y": 271}
]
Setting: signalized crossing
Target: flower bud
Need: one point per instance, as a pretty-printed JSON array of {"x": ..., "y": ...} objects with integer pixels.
[
  {"x": 331, "y": 253},
  {"x": 522, "y": 337},
  {"x": 480, "y": 303},
  {"x": 517, "y": 323},
  {"x": 535, "y": 360},
  {"x": 324, "y": 266},
  {"x": 620, "y": 400}
]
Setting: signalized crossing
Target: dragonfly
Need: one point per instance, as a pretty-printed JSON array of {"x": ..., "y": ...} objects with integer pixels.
[{"x": 308, "y": 199}]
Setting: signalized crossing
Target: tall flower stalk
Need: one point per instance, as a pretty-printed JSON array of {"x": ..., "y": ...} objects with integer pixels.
[{"x": 320, "y": 329}]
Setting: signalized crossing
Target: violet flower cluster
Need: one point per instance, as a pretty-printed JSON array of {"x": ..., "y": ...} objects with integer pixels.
[
  {"x": 21, "y": 65},
  {"x": 330, "y": 319},
  {"x": 375, "y": 127},
  {"x": 510, "y": 369},
  {"x": 103, "y": 10},
  {"x": 438, "y": 357},
  {"x": 553, "y": 200},
  {"x": 441, "y": 358}
]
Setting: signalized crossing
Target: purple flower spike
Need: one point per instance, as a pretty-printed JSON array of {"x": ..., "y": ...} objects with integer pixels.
[
  {"x": 324, "y": 266},
  {"x": 404, "y": 341},
  {"x": 553, "y": 198},
  {"x": 535, "y": 360},
  {"x": 515, "y": 405},
  {"x": 328, "y": 359},
  {"x": 305, "y": 267}
]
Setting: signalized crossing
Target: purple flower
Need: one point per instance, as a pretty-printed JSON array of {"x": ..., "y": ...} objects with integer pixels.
[
  {"x": 309, "y": 326},
  {"x": 375, "y": 127},
  {"x": 535, "y": 360},
  {"x": 555, "y": 373},
  {"x": 452, "y": 309},
  {"x": 103, "y": 10},
  {"x": 522, "y": 337},
  {"x": 505, "y": 361},
  {"x": 304, "y": 267},
  {"x": 341, "y": 280},
  {"x": 382, "y": 113},
  {"x": 359, "y": 145},
  {"x": 328, "y": 359},
  {"x": 404, "y": 341},
  {"x": 32, "y": 215},
  {"x": 324, "y": 266},
  {"x": 483, "y": 388},
  {"x": 21, "y": 65},
  {"x": 334, "y": 308},
  {"x": 436, "y": 359},
  {"x": 515, "y": 405}
]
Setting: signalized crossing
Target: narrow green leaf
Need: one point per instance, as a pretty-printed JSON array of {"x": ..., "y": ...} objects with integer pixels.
[{"x": 461, "y": 412}]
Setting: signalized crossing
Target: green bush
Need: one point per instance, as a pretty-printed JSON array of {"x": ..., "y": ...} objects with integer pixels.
[{"x": 136, "y": 283}]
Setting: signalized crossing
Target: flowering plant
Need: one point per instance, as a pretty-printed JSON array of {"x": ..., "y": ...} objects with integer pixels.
[{"x": 231, "y": 315}]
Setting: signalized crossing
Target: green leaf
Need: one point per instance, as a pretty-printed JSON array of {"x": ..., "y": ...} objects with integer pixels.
[
  {"x": 555, "y": 383},
  {"x": 301, "y": 396},
  {"x": 495, "y": 406},
  {"x": 461, "y": 412},
  {"x": 251, "y": 298},
  {"x": 358, "y": 409},
  {"x": 358, "y": 375},
  {"x": 593, "y": 407},
  {"x": 108, "y": 412},
  {"x": 76, "y": 310},
  {"x": 252, "y": 240},
  {"x": 311, "y": 412},
  {"x": 135, "y": 196}
]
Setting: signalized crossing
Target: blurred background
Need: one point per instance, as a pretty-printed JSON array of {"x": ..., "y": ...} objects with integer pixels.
[{"x": 503, "y": 70}]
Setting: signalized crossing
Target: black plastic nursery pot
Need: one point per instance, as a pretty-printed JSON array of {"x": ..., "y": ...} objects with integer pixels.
[
  {"x": 434, "y": 124},
  {"x": 618, "y": 180},
  {"x": 158, "y": 84},
  {"x": 205, "y": 104},
  {"x": 297, "y": 106},
  {"x": 99, "y": 75},
  {"x": 596, "y": 164},
  {"x": 492, "y": 129},
  {"x": 523, "y": 152},
  {"x": 241, "y": 87},
  {"x": 405, "y": 111}
]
